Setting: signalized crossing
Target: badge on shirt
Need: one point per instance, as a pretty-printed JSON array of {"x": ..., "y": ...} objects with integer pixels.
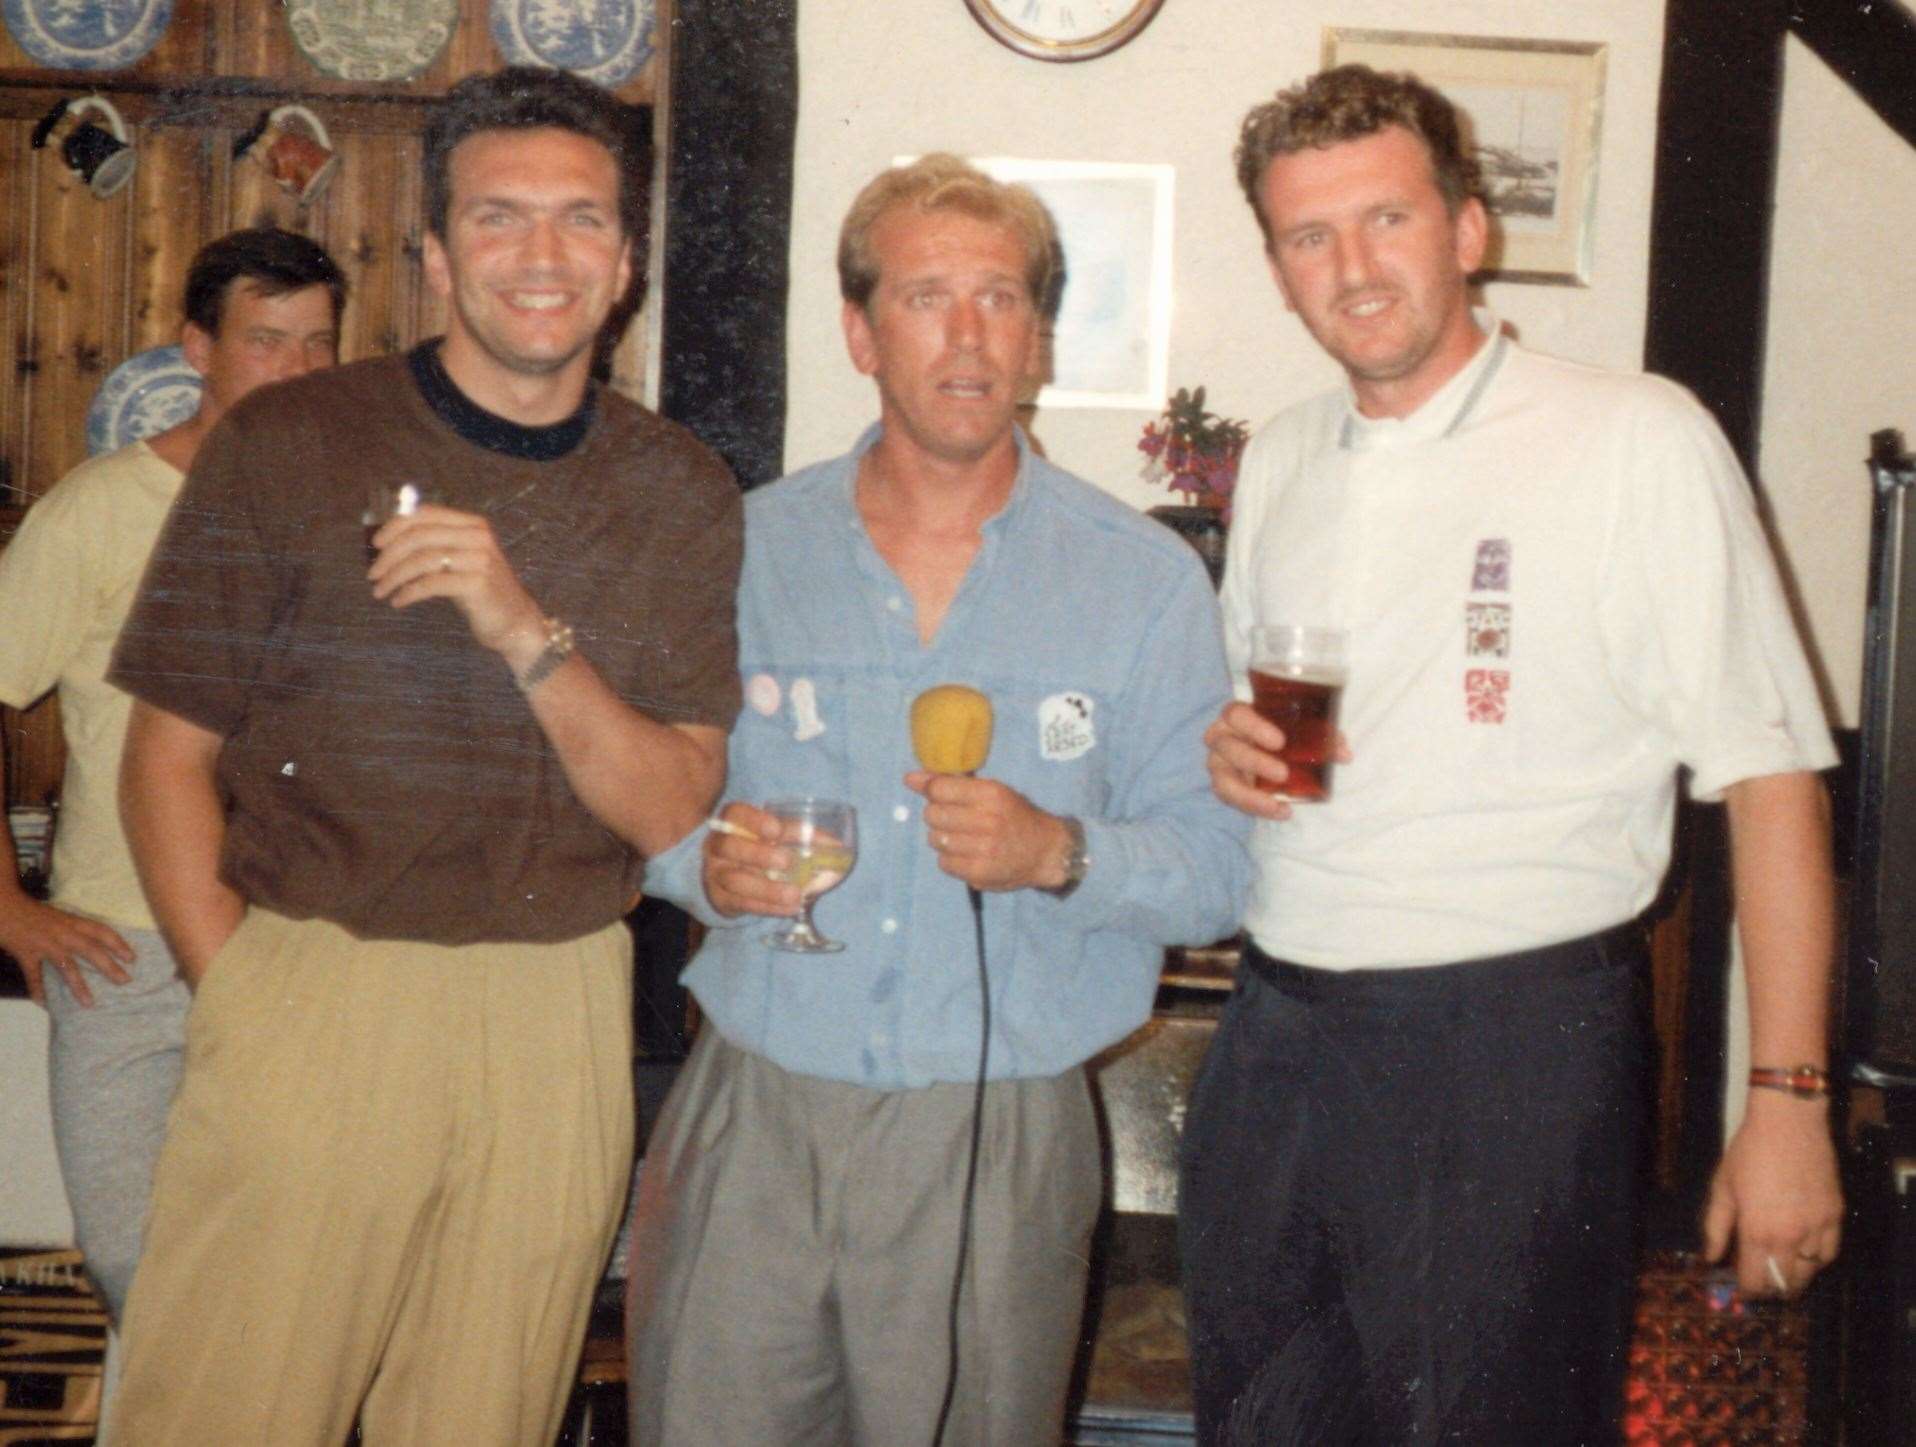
[
  {"x": 1065, "y": 730},
  {"x": 806, "y": 724}
]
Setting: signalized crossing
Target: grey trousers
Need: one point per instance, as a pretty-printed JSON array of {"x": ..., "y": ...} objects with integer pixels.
[
  {"x": 113, "y": 1069},
  {"x": 793, "y": 1248}
]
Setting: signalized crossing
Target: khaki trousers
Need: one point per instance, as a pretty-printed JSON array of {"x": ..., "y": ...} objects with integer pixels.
[
  {"x": 792, "y": 1255},
  {"x": 389, "y": 1184}
]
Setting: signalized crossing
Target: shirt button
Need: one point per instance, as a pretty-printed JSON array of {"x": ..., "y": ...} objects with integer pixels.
[
  {"x": 894, "y": 603},
  {"x": 880, "y": 1039},
  {"x": 900, "y": 813},
  {"x": 890, "y": 926}
]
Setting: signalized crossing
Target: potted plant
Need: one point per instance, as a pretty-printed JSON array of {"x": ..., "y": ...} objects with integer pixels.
[{"x": 1195, "y": 452}]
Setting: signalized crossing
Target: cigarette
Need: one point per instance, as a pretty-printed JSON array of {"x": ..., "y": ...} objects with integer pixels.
[
  {"x": 737, "y": 831},
  {"x": 1777, "y": 1279}
]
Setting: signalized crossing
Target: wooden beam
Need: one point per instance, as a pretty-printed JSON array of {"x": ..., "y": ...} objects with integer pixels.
[
  {"x": 733, "y": 103},
  {"x": 1872, "y": 46}
]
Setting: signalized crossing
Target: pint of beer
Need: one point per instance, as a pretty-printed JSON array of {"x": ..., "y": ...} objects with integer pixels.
[{"x": 1297, "y": 674}]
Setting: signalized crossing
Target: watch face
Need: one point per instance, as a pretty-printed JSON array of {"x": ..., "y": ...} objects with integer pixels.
[{"x": 1063, "y": 29}]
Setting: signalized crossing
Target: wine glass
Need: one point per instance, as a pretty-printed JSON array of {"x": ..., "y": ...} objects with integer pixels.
[{"x": 822, "y": 837}]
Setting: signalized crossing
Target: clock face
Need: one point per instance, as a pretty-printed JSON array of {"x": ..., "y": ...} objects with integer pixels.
[{"x": 1063, "y": 29}]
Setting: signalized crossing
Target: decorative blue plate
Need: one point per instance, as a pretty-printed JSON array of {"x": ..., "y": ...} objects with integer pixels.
[
  {"x": 87, "y": 34},
  {"x": 144, "y": 395},
  {"x": 605, "y": 41}
]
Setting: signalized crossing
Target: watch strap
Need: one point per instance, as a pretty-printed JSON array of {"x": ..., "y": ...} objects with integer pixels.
[{"x": 1077, "y": 860}]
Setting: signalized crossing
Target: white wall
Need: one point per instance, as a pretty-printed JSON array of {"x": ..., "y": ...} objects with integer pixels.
[
  {"x": 882, "y": 80},
  {"x": 1841, "y": 360}
]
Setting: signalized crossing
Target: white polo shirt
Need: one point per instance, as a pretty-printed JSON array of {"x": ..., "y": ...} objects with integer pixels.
[{"x": 1557, "y": 591}]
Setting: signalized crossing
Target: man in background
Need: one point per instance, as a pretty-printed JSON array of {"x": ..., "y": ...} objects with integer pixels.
[
  {"x": 261, "y": 306},
  {"x": 801, "y": 1206},
  {"x": 1412, "y": 1167},
  {"x": 391, "y": 785}
]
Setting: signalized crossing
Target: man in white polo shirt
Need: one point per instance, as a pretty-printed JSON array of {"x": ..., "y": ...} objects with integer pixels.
[{"x": 1412, "y": 1162}]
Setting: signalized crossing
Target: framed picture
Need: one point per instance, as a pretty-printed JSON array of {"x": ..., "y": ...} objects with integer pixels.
[
  {"x": 1110, "y": 345},
  {"x": 1532, "y": 110}
]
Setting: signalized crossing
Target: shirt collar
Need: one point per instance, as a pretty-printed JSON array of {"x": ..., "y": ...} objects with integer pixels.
[
  {"x": 1014, "y": 505},
  {"x": 1444, "y": 412}
]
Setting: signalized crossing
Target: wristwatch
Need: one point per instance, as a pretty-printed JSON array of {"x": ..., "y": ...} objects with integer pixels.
[
  {"x": 1076, "y": 860},
  {"x": 559, "y": 645}
]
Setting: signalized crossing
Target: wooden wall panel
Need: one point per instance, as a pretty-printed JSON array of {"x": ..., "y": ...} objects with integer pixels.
[
  {"x": 16, "y": 242},
  {"x": 170, "y": 218},
  {"x": 77, "y": 329},
  {"x": 86, "y": 283}
]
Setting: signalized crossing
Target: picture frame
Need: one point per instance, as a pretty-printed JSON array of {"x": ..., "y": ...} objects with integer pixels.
[
  {"x": 1533, "y": 112},
  {"x": 1110, "y": 344}
]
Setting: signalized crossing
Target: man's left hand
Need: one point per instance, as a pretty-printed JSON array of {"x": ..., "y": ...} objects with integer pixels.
[
  {"x": 988, "y": 834},
  {"x": 1775, "y": 1193},
  {"x": 440, "y": 552}
]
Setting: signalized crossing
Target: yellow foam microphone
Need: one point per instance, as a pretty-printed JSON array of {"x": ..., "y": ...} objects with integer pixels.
[
  {"x": 951, "y": 729},
  {"x": 951, "y": 734}
]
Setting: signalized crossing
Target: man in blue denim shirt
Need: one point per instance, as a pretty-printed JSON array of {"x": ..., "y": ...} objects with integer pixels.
[{"x": 798, "y": 1217}]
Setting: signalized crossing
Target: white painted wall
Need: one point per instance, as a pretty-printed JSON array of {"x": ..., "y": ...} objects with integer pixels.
[
  {"x": 882, "y": 80},
  {"x": 1841, "y": 359}
]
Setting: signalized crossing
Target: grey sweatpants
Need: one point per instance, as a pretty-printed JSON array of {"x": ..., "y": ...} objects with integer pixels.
[{"x": 113, "y": 1069}]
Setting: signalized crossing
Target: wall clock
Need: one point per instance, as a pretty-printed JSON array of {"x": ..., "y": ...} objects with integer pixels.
[{"x": 1063, "y": 29}]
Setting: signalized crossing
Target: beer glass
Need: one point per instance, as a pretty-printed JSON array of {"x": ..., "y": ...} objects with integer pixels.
[{"x": 1297, "y": 675}]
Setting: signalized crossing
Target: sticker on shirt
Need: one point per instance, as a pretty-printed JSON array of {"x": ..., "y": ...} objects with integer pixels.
[
  {"x": 1492, "y": 573},
  {"x": 762, "y": 693},
  {"x": 1065, "y": 730},
  {"x": 1487, "y": 630},
  {"x": 806, "y": 724},
  {"x": 1486, "y": 695}
]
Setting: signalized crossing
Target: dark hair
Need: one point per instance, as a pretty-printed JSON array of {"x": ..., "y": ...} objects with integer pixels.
[
  {"x": 524, "y": 98},
  {"x": 1347, "y": 103},
  {"x": 275, "y": 262}
]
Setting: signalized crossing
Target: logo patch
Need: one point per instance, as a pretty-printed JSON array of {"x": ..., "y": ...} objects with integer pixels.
[
  {"x": 1065, "y": 730},
  {"x": 807, "y": 725},
  {"x": 1486, "y": 695},
  {"x": 762, "y": 693},
  {"x": 1487, "y": 630},
  {"x": 1492, "y": 573}
]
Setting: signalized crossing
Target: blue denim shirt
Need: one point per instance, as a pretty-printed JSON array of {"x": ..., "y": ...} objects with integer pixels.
[{"x": 1095, "y": 633}]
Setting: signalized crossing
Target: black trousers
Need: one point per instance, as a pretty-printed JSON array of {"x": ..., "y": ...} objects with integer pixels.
[{"x": 1410, "y": 1201}]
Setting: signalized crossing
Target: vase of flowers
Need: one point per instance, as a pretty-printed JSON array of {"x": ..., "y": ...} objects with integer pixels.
[{"x": 1195, "y": 453}]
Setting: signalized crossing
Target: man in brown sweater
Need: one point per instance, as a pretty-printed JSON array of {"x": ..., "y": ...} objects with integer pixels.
[{"x": 390, "y": 795}]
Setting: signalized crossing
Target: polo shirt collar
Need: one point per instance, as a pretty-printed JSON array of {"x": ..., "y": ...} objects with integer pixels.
[{"x": 1446, "y": 410}]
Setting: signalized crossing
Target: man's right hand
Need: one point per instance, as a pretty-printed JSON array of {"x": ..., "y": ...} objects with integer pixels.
[
  {"x": 1243, "y": 749},
  {"x": 38, "y": 935},
  {"x": 738, "y": 871}
]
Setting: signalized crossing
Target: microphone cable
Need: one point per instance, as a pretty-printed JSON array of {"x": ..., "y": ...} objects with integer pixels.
[{"x": 971, "y": 1165}]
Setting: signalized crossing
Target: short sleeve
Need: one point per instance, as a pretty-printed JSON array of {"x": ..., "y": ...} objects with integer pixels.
[
  {"x": 1696, "y": 626},
  {"x": 50, "y": 586}
]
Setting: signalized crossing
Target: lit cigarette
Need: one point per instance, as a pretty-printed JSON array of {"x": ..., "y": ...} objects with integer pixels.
[{"x": 737, "y": 831}]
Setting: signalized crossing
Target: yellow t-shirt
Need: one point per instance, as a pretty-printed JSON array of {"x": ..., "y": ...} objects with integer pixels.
[{"x": 66, "y": 582}]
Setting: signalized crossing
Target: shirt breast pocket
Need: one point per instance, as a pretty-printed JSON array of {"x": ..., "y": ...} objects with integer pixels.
[{"x": 1054, "y": 748}]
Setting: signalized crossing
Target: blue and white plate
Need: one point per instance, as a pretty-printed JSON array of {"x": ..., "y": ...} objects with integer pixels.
[
  {"x": 605, "y": 41},
  {"x": 143, "y": 396},
  {"x": 87, "y": 34}
]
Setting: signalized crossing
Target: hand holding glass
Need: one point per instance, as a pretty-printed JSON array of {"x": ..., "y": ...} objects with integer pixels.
[
  {"x": 822, "y": 837},
  {"x": 1297, "y": 678}
]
